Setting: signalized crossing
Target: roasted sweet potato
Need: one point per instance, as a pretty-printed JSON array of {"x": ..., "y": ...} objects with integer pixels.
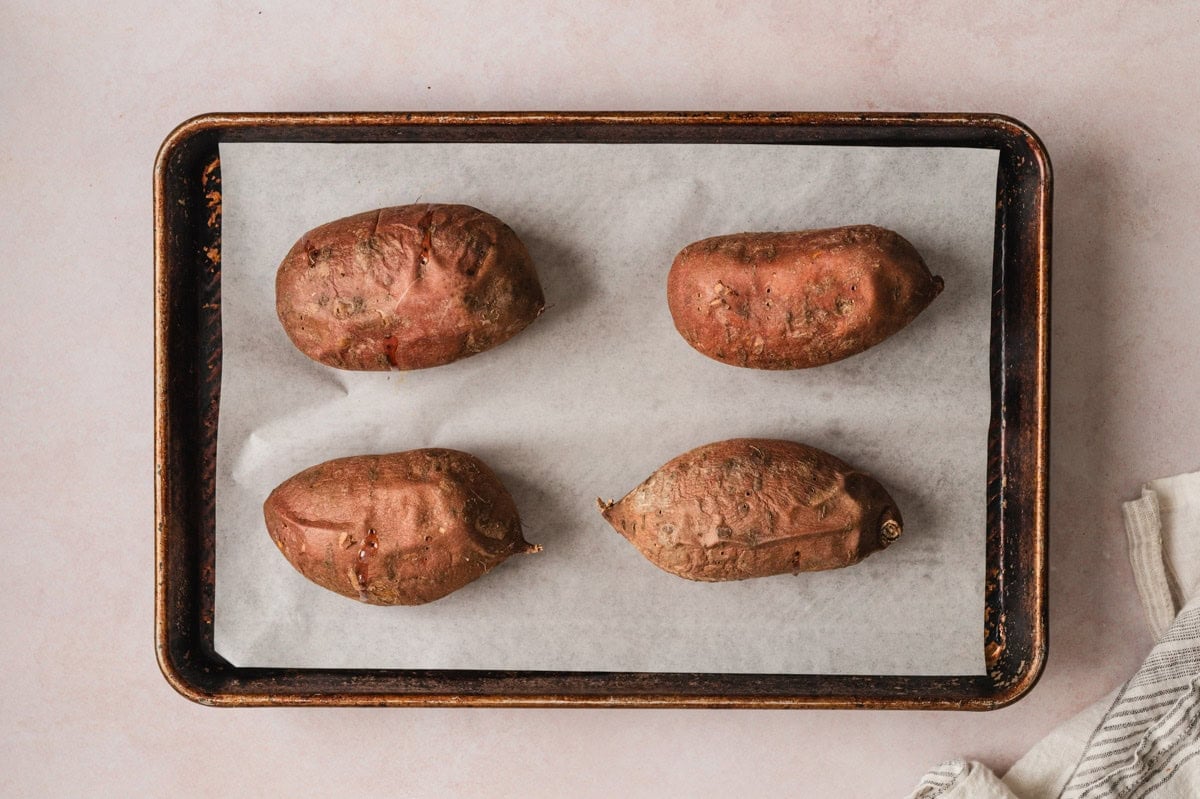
[
  {"x": 796, "y": 300},
  {"x": 752, "y": 507},
  {"x": 399, "y": 529},
  {"x": 407, "y": 288}
]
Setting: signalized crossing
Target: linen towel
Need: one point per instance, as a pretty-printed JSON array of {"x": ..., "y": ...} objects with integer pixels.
[{"x": 1144, "y": 739}]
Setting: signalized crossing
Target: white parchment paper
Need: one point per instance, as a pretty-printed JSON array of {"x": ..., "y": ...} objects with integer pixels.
[{"x": 598, "y": 393}]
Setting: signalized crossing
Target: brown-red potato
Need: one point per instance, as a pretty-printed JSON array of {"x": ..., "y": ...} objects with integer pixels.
[
  {"x": 751, "y": 507},
  {"x": 408, "y": 287},
  {"x": 399, "y": 529},
  {"x": 797, "y": 300}
]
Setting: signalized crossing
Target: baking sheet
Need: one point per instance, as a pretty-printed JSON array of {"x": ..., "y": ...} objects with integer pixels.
[{"x": 598, "y": 393}]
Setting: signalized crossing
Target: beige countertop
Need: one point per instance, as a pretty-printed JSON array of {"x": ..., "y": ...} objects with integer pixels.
[{"x": 88, "y": 95}]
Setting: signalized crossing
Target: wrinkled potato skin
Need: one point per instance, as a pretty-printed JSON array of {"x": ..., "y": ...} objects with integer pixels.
[
  {"x": 406, "y": 288},
  {"x": 755, "y": 507},
  {"x": 797, "y": 300},
  {"x": 399, "y": 529}
]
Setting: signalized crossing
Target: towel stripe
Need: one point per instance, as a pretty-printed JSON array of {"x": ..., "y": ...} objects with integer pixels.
[{"x": 1166, "y": 777}]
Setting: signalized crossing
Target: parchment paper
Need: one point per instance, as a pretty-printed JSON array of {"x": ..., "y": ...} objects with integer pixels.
[{"x": 598, "y": 393}]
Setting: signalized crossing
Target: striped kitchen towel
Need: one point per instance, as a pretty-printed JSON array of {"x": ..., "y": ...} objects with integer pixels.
[{"x": 1145, "y": 740}]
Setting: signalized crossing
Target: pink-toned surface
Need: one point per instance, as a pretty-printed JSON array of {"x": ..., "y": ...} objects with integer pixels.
[{"x": 88, "y": 94}]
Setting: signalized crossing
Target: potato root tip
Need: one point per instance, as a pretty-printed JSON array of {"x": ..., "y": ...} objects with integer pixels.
[{"x": 889, "y": 531}]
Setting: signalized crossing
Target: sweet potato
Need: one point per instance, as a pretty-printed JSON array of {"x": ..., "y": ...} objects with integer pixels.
[
  {"x": 752, "y": 507},
  {"x": 407, "y": 288},
  {"x": 399, "y": 529},
  {"x": 796, "y": 300}
]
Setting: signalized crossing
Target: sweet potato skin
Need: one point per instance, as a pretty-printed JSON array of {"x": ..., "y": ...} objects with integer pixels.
[
  {"x": 408, "y": 287},
  {"x": 797, "y": 300},
  {"x": 399, "y": 529},
  {"x": 750, "y": 507}
]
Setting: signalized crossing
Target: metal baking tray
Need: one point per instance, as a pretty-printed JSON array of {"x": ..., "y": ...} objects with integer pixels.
[{"x": 187, "y": 358}]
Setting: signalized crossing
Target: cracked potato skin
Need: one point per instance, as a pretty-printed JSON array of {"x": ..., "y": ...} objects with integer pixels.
[
  {"x": 751, "y": 507},
  {"x": 399, "y": 529},
  {"x": 407, "y": 287},
  {"x": 797, "y": 300}
]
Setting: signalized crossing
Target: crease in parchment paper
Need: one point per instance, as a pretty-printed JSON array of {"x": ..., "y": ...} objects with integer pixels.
[{"x": 598, "y": 393}]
